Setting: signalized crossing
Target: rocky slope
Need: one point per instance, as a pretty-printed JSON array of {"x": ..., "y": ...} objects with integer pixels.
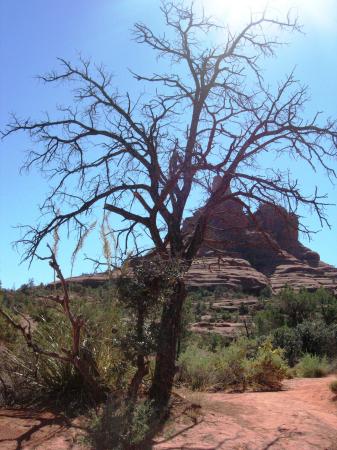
[{"x": 240, "y": 274}]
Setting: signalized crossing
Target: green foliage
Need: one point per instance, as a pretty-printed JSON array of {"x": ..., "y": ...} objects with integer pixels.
[
  {"x": 8, "y": 335},
  {"x": 315, "y": 336},
  {"x": 268, "y": 320},
  {"x": 288, "y": 308},
  {"x": 266, "y": 292},
  {"x": 198, "y": 368},
  {"x": 292, "y": 308},
  {"x": 312, "y": 366},
  {"x": 209, "y": 341},
  {"x": 231, "y": 365},
  {"x": 187, "y": 317},
  {"x": 268, "y": 369},
  {"x": 206, "y": 361},
  {"x": 238, "y": 366},
  {"x": 121, "y": 425},
  {"x": 327, "y": 305},
  {"x": 296, "y": 306},
  {"x": 300, "y": 322},
  {"x": 143, "y": 295},
  {"x": 243, "y": 309},
  {"x": 200, "y": 309},
  {"x": 30, "y": 377},
  {"x": 289, "y": 340}
]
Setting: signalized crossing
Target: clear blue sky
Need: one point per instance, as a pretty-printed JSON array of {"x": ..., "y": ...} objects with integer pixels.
[{"x": 34, "y": 33}]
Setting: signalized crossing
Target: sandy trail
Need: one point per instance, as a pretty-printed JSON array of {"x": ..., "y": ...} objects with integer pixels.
[
  {"x": 38, "y": 430},
  {"x": 302, "y": 416}
]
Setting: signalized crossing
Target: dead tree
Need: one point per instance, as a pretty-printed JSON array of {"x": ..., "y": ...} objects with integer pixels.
[{"x": 211, "y": 114}]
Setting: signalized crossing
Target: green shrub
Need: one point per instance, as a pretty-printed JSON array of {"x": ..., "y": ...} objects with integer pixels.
[
  {"x": 268, "y": 369},
  {"x": 8, "y": 335},
  {"x": 121, "y": 425},
  {"x": 300, "y": 322},
  {"x": 326, "y": 305},
  {"x": 296, "y": 306},
  {"x": 29, "y": 377},
  {"x": 315, "y": 337},
  {"x": 240, "y": 365},
  {"x": 198, "y": 368},
  {"x": 290, "y": 341},
  {"x": 312, "y": 366},
  {"x": 226, "y": 316},
  {"x": 331, "y": 349},
  {"x": 231, "y": 365},
  {"x": 268, "y": 319},
  {"x": 292, "y": 308},
  {"x": 243, "y": 309},
  {"x": 266, "y": 292}
]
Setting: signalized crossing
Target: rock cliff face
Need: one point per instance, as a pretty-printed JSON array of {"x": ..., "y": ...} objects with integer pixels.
[
  {"x": 249, "y": 253},
  {"x": 252, "y": 252}
]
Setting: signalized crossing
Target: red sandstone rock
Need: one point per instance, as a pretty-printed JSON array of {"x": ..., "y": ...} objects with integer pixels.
[{"x": 254, "y": 253}]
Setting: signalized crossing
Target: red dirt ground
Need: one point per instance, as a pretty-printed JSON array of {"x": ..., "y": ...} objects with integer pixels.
[
  {"x": 301, "y": 417},
  {"x": 38, "y": 430}
]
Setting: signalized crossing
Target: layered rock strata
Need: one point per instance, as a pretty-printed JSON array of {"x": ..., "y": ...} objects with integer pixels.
[{"x": 252, "y": 252}]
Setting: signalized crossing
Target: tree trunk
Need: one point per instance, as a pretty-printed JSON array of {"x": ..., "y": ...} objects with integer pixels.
[
  {"x": 97, "y": 390},
  {"x": 142, "y": 367},
  {"x": 167, "y": 346}
]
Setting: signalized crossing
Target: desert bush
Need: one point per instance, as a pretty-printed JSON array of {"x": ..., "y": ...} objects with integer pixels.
[
  {"x": 268, "y": 369},
  {"x": 240, "y": 365},
  {"x": 300, "y": 322},
  {"x": 121, "y": 425},
  {"x": 8, "y": 335},
  {"x": 266, "y": 292},
  {"x": 199, "y": 308},
  {"x": 296, "y": 306},
  {"x": 312, "y": 366},
  {"x": 315, "y": 337},
  {"x": 268, "y": 319},
  {"x": 231, "y": 365},
  {"x": 290, "y": 341},
  {"x": 326, "y": 305},
  {"x": 198, "y": 368},
  {"x": 243, "y": 309},
  {"x": 292, "y": 308},
  {"x": 32, "y": 377}
]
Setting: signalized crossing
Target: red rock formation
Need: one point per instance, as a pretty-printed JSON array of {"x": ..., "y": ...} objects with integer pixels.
[
  {"x": 254, "y": 252},
  {"x": 257, "y": 251}
]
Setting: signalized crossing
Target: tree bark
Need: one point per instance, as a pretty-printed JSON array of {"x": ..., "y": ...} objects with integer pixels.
[
  {"x": 142, "y": 367},
  {"x": 167, "y": 346}
]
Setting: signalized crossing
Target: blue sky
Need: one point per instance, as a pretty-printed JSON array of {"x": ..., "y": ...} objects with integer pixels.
[{"x": 33, "y": 34}]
